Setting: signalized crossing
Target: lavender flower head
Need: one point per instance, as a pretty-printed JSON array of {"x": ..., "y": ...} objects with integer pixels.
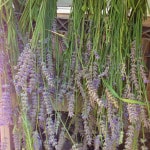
[
  {"x": 96, "y": 83},
  {"x": 5, "y": 106},
  {"x": 25, "y": 69}
]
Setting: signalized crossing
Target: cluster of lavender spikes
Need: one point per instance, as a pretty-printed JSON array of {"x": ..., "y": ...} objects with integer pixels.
[{"x": 35, "y": 84}]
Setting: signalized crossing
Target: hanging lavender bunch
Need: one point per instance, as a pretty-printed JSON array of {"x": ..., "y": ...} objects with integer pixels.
[
  {"x": 32, "y": 79},
  {"x": 97, "y": 142},
  {"x": 50, "y": 128},
  {"x": 71, "y": 102},
  {"x": 130, "y": 137},
  {"x": 78, "y": 78},
  {"x": 133, "y": 73},
  {"x": 70, "y": 97},
  {"x": 50, "y": 65},
  {"x": 144, "y": 117},
  {"x": 111, "y": 99},
  {"x": 92, "y": 92},
  {"x": 17, "y": 139},
  {"x": 25, "y": 70},
  {"x": 5, "y": 106},
  {"x": 37, "y": 142},
  {"x": 85, "y": 116},
  {"x": 49, "y": 77},
  {"x": 115, "y": 132},
  {"x": 57, "y": 122},
  {"x": 42, "y": 112},
  {"x": 143, "y": 74},
  {"x": 34, "y": 107},
  {"x": 113, "y": 125},
  {"x": 24, "y": 101},
  {"x": 123, "y": 70},
  {"x": 93, "y": 70},
  {"x": 47, "y": 102},
  {"x": 89, "y": 44},
  {"x": 103, "y": 128},
  {"x": 87, "y": 131},
  {"x": 86, "y": 109},
  {"x": 133, "y": 110},
  {"x": 108, "y": 144},
  {"x": 62, "y": 92},
  {"x": 73, "y": 61}
]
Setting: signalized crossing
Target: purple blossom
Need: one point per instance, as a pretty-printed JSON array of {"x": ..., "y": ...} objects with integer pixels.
[
  {"x": 48, "y": 77},
  {"x": 130, "y": 137},
  {"x": 47, "y": 102},
  {"x": 50, "y": 127},
  {"x": 108, "y": 143},
  {"x": 26, "y": 70},
  {"x": 97, "y": 142},
  {"x": 87, "y": 131},
  {"x": 96, "y": 83},
  {"x": 5, "y": 106},
  {"x": 133, "y": 113},
  {"x": 115, "y": 131},
  {"x": 16, "y": 139},
  {"x": 42, "y": 112},
  {"x": 71, "y": 101}
]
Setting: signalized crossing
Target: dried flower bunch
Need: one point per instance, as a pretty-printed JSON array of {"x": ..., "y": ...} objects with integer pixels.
[{"x": 89, "y": 93}]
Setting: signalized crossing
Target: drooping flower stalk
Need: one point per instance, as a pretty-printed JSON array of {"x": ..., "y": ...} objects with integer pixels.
[
  {"x": 6, "y": 106},
  {"x": 130, "y": 137},
  {"x": 50, "y": 128},
  {"x": 71, "y": 103},
  {"x": 17, "y": 139}
]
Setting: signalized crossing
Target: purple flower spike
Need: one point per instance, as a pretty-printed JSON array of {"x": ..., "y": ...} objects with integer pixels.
[
  {"x": 96, "y": 83},
  {"x": 5, "y": 106}
]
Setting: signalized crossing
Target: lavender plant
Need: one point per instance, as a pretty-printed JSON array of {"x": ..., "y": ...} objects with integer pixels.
[{"x": 99, "y": 76}]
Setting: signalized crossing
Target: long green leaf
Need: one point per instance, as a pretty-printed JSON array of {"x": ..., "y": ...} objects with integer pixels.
[{"x": 131, "y": 101}]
